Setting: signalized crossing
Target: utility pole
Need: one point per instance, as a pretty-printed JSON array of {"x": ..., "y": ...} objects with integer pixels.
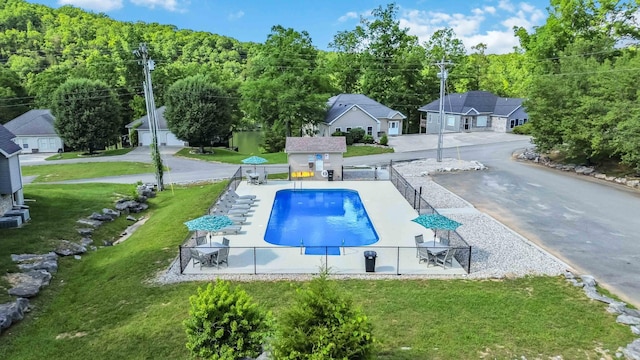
[
  {"x": 443, "y": 74},
  {"x": 147, "y": 66}
]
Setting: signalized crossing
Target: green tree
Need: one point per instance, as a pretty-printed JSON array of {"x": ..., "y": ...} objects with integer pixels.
[
  {"x": 13, "y": 97},
  {"x": 284, "y": 90},
  {"x": 198, "y": 111},
  {"x": 323, "y": 324},
  {"x": 86, "y": 114},
  {"x": 225, "y": 323}
]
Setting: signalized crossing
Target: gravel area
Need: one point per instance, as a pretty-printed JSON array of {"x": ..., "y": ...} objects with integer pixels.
[{"x": 497, "y": 251}]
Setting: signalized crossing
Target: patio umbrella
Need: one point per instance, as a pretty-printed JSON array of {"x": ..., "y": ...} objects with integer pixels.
[
  {"x": 436, "y": 222},
  {"x": 254, "y": 160},
  {"x": 209, "y": 223}
]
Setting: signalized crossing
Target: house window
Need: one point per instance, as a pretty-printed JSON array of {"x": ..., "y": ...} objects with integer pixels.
[
  {"x": 520, "y": 121},
  {"x": 369, "y": 130},
  {"x": 25, "y": 145},
  {"x": 348, "y": 129},
  {"x": 525, "y": 121},
  {"x": 338, "y": 129},
  {"x": 513, "y": 123}
]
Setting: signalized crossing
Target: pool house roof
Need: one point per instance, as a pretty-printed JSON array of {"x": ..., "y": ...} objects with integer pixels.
[{"x": 321, "y": 144}]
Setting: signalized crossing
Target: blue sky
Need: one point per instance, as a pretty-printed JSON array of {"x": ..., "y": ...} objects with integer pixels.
[{"x": 474, "y": 21}]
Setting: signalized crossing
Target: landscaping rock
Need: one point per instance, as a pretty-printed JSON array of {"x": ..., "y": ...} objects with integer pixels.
[
  {"x": 112, "y": 213},
  {"x": 33, "y": 257},
  {"x": 50, "y": 266},
  {"x": 28, "y": 284},
  {"x": 86, "y": 241},
  {"x": 67, "y": 248},
  {"x": 146, "y": 190},
  {"x": 635, "y": 330},
  {"x": 28, "y": 262},
  {"x": 632, "y": 351},
  {"x": 10, "y": 313},
  {"x": 588, "y": 280},
  {"x": 85, "y": 231},
  {"x": 100, "y": 217},
  {"x": 131, "y": 218},
  {"x": 628, "y": 320},
  {"x": 90, "y": 222},
  {"x": 128, "y": 206}
]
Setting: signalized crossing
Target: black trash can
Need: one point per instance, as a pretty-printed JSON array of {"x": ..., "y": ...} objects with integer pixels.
[
  {"x": 330, "y": 175},
  {"x": 370, "y": 260}
]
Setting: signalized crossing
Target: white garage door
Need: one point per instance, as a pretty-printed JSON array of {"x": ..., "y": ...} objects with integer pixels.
[
  {"x": 172, "y": 140},
  {"x": 144, "y": 138}
]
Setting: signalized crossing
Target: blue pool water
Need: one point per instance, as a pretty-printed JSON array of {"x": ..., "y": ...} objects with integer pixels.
[{"x": 321, "y": 220}]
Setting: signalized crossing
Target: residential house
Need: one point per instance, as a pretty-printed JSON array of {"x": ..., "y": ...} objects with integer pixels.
[
  {"x": 315, "y": 158},
  {"x": 349, "y": 111},
  {"x": 165, "y": 136},
  {"x": 11, "y": 194},
  {"x": 35, "y": 132},
  {"x": 474, "y": 111}
]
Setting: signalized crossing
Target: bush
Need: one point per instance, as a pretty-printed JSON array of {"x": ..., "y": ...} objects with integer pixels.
[
  {"x": 273, "y": 141},
  {"x": 349, "y": 138},
  {"x": 321, "y": 325},
  {"x": 357, "y": 134},
  {"x": 337, "y": 133},
  {"x": 384, "y": 140},
  {"x": 224, "y": 323},
  {"x": 367, "y": 139},
  {"x": 524, "y": 129}
]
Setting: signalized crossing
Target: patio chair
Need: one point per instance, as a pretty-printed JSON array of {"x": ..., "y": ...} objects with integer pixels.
[
  {"x": 243, "y": 196},
  {"x": 230, "y": 198},
  {"x": 419, "y": 242},
  {"x": 201, "y": 240},
  {"x": 199, "y": 258},
  {"x": 222, "y": 256},
  {"x": 446, "y": 258},
  {"x": 262, "y": 178},
  {"x": 229, "y": 212},
  {"x": 425, "y": 255},
  {"x": 249, "y": 174},
  {"x": 230, "y": 230},
  {"x": 225, "y": 241},
  {"x": 233, "y": 205}
]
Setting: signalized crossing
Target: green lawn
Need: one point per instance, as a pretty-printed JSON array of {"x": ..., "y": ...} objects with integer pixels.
[
  {"x": 62, "y": 172},
  {"x": 232, "y": 157},
  {"x": 104, "y": 307},
  {"x": 81, "y": 154}
]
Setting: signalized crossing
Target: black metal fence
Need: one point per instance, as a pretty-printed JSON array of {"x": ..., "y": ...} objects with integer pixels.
[
  {"x": 367, "y": 173},
  {"x": 389, "y": 260}
]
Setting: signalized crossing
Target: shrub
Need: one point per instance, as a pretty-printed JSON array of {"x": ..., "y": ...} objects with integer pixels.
[
  {"x": 337, "y": 133},
  {"x": 349, "y": 138},
  {"x": 384, "y": 140},
  {"x": 224, "y": 323},
  {"x": 524, "y": 129},
  {"x": 322, "y": 324},
  {"x": 357, "y": 134},
  {"x": 367, "y": 139}
]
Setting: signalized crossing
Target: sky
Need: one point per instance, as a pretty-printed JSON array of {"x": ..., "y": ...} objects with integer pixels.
[{"x": 474, "y": 21}]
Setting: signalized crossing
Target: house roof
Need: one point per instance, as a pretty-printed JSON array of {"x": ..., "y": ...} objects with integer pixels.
[
  {"x": 162, "y": 122},
  {"x": 340, "y": 104},
  {"x": 7, "y": 146},
  {"x": 320, "y": 144},
  {"x": 477, "y": 102},
  {"x": 33, "y": 123}
]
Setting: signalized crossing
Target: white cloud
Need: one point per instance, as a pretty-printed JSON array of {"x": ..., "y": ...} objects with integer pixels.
[
  {"x": 96, "y": 5},
  {"x": 236, "y": 15},
  {"x": 473, "y": 28},
  {"x": 347, "y": 16},
  {"x": 171, "y": 5}
]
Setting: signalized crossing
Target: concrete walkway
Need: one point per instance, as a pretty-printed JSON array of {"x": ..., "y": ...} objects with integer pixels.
[{"x": 416, "y": 142}]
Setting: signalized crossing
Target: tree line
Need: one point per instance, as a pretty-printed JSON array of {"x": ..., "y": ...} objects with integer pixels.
[{"x": 577, "y": 71}]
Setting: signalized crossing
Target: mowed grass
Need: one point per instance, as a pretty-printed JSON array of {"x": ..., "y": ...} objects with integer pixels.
[
  {"x": 104, "y": 306},
  {"x": 90, "y": 170},
  {"x": 232, "y": 157},
  {"x": 82, "y": 155}
]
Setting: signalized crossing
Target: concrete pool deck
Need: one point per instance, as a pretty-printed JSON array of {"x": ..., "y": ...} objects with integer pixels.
[{"x": 389, "y": 212}]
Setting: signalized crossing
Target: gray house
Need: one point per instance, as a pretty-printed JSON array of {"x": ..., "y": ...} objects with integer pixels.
[
  {"x": 11, "y": 195},
  {"x": 474, "y": 111},
  {"x": 165, "y": 136},
  {"x": 316, "y": 158},
  {"x": 349, "y": 111},
  {"x": 35, "y": 132}
]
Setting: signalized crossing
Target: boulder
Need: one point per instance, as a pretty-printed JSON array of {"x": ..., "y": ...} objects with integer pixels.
[
  {"x": 112, "y": 213},
  {"x": 90, "y": 222},
  {"x": 588, "y": 280},
  {"x": 67, "y": 248},
  {"x": 28, "y": 284},
  {"x": 86, "y": 241},
  {"x": 28, "y": 262},
  {"x": 100, "y": 217},
  {"x": 632, "y": 351},
  {"x": 33, "y": 257},
  {"x": 50, "y": 266},
  {"x": 12, "y": 312},
  {"x": 85, "y": 231},
  {"x": 633, "y": 183},
  {"x": 628, "y": 320}
]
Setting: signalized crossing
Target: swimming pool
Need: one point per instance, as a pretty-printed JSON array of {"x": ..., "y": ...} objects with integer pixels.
[{"x": 321, "y": 220}]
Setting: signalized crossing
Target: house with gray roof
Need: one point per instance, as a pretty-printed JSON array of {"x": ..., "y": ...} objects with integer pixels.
[
  {"x": 165, "y": 136},
  {"x": 349, "y": 111},
  {"x": 10, "y": 174},
  {"x": 35, "y": 132},
  {"x": 315, "y": 157},
  {"x": 474, "y": 111}
]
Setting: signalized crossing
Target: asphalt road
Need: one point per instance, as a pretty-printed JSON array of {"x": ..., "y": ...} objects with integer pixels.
[{"x": 590, "y": 224}]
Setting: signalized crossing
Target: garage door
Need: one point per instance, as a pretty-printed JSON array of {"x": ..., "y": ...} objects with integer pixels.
[
  {"x": 172, "y": 140},
  {"x": 144, "y": 138}
]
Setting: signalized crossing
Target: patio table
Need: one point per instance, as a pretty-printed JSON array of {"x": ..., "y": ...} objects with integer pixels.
[
  {"x": 436, "y": 249},
  {"x": 210, "y": 248}
]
